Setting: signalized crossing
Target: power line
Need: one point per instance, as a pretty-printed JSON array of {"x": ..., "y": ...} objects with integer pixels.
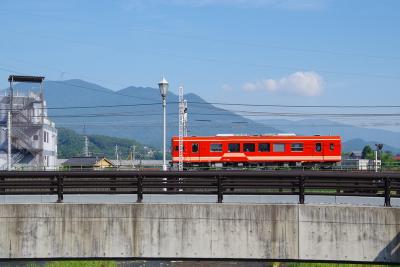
[
  {"x": 294, "y": 106},
  {"x": 268, "y": 46},
  {"x": 81, "y": 86}
]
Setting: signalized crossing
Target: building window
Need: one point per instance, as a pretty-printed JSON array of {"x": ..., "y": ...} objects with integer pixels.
[
  {"x": 195, "y": 148},
  {"x": 297, "y": 147},
  {"x": 264, "y": 147},
  {"x": 35, "y": 137},
  {"x": 279, "y": 147},
  {"x": 233, "y": 147},
  {"x": 216, "y": 148},
  {"x": 318, "y": 147},
  {"x": 249, "y": 147},
  {"x": 45, "y": 136},
  {"x": 332, "y": 146}
]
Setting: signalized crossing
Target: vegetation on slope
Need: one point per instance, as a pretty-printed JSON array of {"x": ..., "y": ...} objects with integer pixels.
[{"x": 71, "y": 144}]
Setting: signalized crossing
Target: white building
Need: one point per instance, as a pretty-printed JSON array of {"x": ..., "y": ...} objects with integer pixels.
[{"x": 33, "y": 134}]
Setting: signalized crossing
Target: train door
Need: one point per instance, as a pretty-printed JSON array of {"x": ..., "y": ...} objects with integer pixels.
[
  {"x": 319, "y": 151},
  {"x": 195, "y": 152}
]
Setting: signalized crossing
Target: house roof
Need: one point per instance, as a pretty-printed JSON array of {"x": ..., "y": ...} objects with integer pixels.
[
  {"x": 29, "y": 79},
  {"x": 356, "y": 153},
  {"x": 85, "y": 161}
]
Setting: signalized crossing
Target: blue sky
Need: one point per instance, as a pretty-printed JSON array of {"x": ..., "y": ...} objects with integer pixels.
[{"x": 253, "y": 51}]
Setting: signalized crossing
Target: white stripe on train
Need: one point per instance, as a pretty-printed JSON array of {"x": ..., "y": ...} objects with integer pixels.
[{"x": 265, "y": 158}]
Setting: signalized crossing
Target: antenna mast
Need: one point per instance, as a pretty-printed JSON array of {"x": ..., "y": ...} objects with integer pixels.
[
  {"x": 185, "y": 118},
  {"x": 181, "y": 128}
]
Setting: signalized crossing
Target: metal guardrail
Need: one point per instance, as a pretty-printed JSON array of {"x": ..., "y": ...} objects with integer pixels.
[{"x": 220, "y": 183}]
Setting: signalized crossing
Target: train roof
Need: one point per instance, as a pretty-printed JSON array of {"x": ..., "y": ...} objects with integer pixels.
[{"x": 256, "y": 137}]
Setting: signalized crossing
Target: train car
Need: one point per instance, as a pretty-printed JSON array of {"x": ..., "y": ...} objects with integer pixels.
[{"x": 230, "y": 150}]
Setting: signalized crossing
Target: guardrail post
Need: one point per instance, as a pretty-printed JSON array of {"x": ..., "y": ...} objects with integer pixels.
[
  {"x": 2, "y": 187},
  {"x": 301, "y": 189},
  {"x": 60, "y": 187},
  {"x": 139, "y": 189},
  {"x": 387, "y": 192},
  {"x": 220, "y": 189}
]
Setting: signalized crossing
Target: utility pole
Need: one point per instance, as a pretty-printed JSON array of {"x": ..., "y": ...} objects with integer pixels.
[
  {"x": 116, "y": 155},
  {"x": 181, "y": 129},
  {"x": 133, "y": 156},
  {"x": 9, "y": 126},
  {"x": 9, "y": 163}
]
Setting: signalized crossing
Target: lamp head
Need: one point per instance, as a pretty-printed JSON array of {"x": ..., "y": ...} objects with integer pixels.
[
  {"x": 379, "y": 146},
  {"x": 163, "y": 86}
]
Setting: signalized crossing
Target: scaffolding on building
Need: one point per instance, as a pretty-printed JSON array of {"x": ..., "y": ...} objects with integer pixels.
[{"x": 26, "y": 120}]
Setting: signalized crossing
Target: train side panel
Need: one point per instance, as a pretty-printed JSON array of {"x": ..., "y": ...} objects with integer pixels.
[{"x": 260, "y": 149}]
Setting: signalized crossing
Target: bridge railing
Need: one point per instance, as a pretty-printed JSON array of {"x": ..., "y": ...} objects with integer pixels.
[{"x": 220, "y": 183}]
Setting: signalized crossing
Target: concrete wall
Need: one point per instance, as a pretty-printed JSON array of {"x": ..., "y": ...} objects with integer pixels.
[{"x": 307, "y": 232}]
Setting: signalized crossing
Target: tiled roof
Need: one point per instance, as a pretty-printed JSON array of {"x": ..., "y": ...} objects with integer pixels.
[{"x": 82, "y": 161}]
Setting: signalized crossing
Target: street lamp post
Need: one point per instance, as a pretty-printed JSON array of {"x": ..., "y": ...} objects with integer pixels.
[
  {"x": 378, "y": 149},
  {"x": 163, "y": 85}
]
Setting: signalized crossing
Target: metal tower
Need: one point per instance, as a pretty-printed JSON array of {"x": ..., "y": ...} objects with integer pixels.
[
  {"x": 185, "y": 118},
  {"x": 181, "y": 130},
  {"x": 86, "y": 144}
]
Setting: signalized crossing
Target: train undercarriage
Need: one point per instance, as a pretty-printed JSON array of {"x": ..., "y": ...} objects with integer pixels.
[{"x": 253, "y": 165}]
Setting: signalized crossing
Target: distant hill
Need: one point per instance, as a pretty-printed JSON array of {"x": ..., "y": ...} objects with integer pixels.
[
  {"x": 71, "y": 144},
  {"x": 358, "y": 144}
]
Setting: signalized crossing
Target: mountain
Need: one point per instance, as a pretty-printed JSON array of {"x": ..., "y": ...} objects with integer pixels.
[
  {"x": 71, "y": 144},
  {"x": 358, "y": 144},
  {"x": 354, "y": 137},
  {"x": 142, "y": 122}
]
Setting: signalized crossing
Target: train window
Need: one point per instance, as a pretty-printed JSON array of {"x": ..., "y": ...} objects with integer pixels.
[
  {"x": 332, "y": 146},
  {"x": 195, "y": 148},
  {"x": 249, "y": 147},
  {"x": 216, "y": 148},
  {"x": 297, "y": 147},
  {"x": 264, "y": 147},
  {"x": 279, "y": 147},
  {"x": 177, "y": 148},
  {"x": 318, "y": 147},
  {"x": 234, "y": 147}
]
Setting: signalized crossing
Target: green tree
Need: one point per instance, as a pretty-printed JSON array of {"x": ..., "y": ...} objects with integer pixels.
[
  {"x": 387, "y": 157},
  {"x": 367, "y": 153}
]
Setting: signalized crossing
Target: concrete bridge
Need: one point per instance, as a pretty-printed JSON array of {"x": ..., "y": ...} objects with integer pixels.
[{"x": 201, "y": 231}]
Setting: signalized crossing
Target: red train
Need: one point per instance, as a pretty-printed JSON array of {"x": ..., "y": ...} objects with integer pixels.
[{"x": 257, "y": 150}]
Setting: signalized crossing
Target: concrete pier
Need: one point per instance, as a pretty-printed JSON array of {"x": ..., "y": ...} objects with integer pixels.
[{"x": 210, "y": 231}]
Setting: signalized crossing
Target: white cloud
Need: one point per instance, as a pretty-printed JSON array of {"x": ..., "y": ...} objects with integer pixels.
[{"x": 300, "y": 83}]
